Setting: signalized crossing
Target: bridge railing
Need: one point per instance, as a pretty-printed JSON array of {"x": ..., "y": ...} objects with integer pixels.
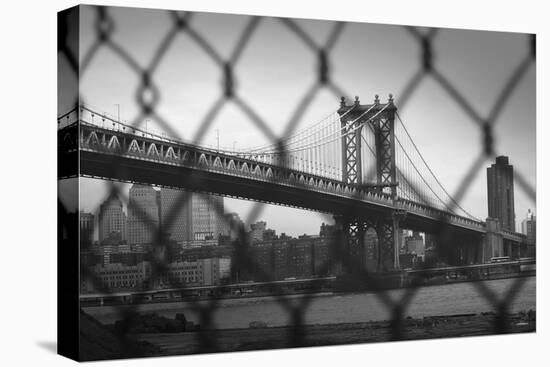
[{"x": 432, "y": 212}]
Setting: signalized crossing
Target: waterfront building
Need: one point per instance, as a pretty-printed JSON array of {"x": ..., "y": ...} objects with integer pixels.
[
  {"x": 143, "y": 215},
  {"x": 131, "y": 272},
  {"x": 201, "y": 272},
  {"x": 111, "y": 218},
  {"x": 500, "y": 193},
  {"x": 291, "y": 258},
  {"x": 529, "y": 227},
  {"x": 118, "y": 276}
]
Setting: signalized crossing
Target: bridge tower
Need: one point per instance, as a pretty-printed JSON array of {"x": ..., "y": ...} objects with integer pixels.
[{"x": 379, "y": 118}]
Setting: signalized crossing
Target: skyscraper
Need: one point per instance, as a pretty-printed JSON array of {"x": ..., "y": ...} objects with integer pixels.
[
  {"x": 529, "y": 227},
  {"x": 194, "y": 217},
  {"x": 500, "y": 192},
  {"x": 206, "y": 216},
  {"x": 231, "y": 226},
  {"x": 111, "y": 218},
  {"x": 175, "y": 218},
  {"x": 143, "y": 215}
]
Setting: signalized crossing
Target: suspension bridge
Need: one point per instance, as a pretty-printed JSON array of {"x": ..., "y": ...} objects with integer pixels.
[{"x": 359, "y": 164}]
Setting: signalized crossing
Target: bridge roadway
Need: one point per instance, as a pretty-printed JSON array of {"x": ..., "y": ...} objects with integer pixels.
[{"x": 119, "y": 155}]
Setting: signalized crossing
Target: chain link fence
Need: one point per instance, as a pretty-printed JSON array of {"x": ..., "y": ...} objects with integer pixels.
[{"x": 147, "y": 97}]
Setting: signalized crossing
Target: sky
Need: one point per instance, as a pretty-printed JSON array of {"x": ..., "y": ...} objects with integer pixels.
[{"x": 277, "y": 68}]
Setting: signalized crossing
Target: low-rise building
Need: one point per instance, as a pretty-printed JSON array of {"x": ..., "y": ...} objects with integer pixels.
[
  {"x": 141, "y": 276},
  {"x": 289, "y": 258},
  {"x": 116, "y": 277}
]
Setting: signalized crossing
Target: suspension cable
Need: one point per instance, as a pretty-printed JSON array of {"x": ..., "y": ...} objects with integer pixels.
[
  {"x": 430, "y": 170},
  {"x": 313, "y": 145},
  {"x": 309, "y": 130}
]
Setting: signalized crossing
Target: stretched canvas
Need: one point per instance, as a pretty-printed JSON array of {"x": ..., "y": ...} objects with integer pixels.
[{"x": 235, "y": 182}]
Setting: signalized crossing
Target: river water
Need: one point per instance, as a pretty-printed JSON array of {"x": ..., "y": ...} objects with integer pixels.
[{"x": 438, "y": 300}]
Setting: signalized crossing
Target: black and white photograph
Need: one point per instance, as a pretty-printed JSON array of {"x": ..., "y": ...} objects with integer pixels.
[
  {"x": 234, "y": 182},
  {"x": 274, "y": 183}
]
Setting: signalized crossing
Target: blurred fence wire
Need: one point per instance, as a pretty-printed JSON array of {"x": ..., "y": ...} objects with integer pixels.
[{"x": 147, "y": 97}]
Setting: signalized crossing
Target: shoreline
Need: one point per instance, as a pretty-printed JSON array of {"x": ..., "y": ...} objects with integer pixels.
[
  {"x": 332, "y": 308},
  {"x": 241, "y": 339}
]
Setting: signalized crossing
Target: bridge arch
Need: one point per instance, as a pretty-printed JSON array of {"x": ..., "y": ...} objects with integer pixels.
[
  {"x": 134, "y": 147},
  {"x": 202, "y": 160},
  {"x": 93, "y": 140},
  {"x": 185, "y": 157},
  {"x": 153, "y": 150},
  {"x": 218, "y": 162},
  {"x": 67, "y": 140},
  {"x": 113, "y": 144},
  {"x": 170, "y": 154}
]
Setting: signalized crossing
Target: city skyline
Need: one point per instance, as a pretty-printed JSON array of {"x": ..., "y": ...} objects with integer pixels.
[{"x": 126, "y": 187}]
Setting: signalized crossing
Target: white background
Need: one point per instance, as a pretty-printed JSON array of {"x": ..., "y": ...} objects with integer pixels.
[{"x": 28, "y": 193}]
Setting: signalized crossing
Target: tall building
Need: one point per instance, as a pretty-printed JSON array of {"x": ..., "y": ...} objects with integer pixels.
[
  {"x": 143, "y": 215},
  {"x": 232, "y": 226},
  {"x": 257, "y": 231},
  {"x": 175, "y": 218},
  {"x": 111, "y": 218},
  {"x": 86, "y": 229},
  {"x": 327, "y": 230},
  {"x": 529, "y": 227},
  {"x": 191, "y": 217},
  {"x": 206, "y": 216},
  {"x": 500, "y": 193}
]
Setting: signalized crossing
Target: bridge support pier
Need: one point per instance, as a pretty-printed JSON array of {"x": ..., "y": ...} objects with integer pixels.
[
  {"x": 493, "y": 244},
  {"x": 370, "y": 245}
]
